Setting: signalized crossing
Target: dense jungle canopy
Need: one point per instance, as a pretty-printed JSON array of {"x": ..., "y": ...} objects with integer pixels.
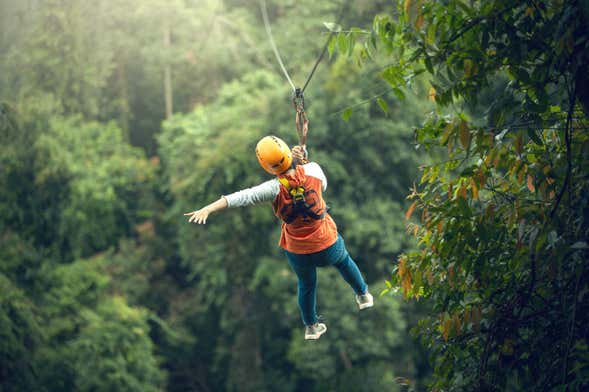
[{"x": 455, "y": 138}]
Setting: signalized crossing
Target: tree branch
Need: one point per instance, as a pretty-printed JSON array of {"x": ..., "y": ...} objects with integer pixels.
[{"x": 568, "y": 136}]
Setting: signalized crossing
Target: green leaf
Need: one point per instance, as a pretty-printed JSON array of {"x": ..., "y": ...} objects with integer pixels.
[
  {"x": 464, "y": 134},
  {"x": 390, "y": 76},
  {"x": 373, "y": 39},
  {"x": 580, "y": 245},
  {"x": 428, "y": 65},
  {"x": 534, "y": 136},
  {"x": 383, "y": 105},
  {"x": 331, "y": 45},
  {"x": 351, "y": 44},
  {"x": 431, "y": 33},
  {"x": 342, "y": 43},
  {"x": 399, "y": 93},
  {"x": 347, "y": 114}
]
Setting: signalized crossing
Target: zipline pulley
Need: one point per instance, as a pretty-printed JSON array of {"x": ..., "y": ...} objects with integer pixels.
[{"x": 298, "y": 98}]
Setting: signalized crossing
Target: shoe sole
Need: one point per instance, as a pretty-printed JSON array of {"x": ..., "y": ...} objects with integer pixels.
[
  {"x": 364, "y": 305},
  {"x": 315, "y": 336}
]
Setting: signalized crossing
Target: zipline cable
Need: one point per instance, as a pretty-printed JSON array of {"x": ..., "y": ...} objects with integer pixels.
[
  {"x": 298, "y": 97},
  {"x": 276, "y": 53},
  {"x": 298, "y": 92},
  {"x": 371, "y": 99},
  {"x": 338, "y": 20},
  {"x": 317, "y": 62}
]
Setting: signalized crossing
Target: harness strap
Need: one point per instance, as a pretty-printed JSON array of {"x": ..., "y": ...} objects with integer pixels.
[
  {"x": 297, "y": 193},
  {"x": 300, "y": 207},
  {"x": 301, "y": 122}
]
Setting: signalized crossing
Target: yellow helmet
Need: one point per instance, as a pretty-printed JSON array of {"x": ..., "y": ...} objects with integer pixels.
[{"x": 274, "y": 155}]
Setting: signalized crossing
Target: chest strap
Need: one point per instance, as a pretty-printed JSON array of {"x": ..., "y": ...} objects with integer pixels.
[{"x": 297, "y": 193}]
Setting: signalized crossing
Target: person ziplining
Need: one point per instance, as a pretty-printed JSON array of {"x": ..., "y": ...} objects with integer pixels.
[{"x": 309, "y": 235}]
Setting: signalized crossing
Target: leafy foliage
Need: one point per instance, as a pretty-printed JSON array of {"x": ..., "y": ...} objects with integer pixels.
[
  {"x": 502, "y": 235},
  {"x": 20, "y": 334},
  {"x": 57, "y": 185},
  {"x": 105, "y": 178}
]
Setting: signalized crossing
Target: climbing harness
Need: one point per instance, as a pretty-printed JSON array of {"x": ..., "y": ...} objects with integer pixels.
[
  {"x": 297, "y": 193},
  {"x": 303, "y": 203},
  {"x": 298, "y": 97}
]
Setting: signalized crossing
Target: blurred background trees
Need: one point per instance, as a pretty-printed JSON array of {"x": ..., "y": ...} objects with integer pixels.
[{"x": 118, "y": 116}]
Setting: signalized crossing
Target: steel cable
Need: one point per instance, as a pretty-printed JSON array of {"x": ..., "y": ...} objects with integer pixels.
[{"x": 276, "y": 53}]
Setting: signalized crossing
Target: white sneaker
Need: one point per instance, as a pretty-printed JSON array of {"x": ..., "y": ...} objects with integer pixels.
[
  {"x": 313, "y": 332},
  {"x": 365, "y": 300}
]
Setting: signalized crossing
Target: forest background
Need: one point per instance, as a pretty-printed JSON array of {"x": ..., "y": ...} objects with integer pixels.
[{"x": 454, "y": 137}]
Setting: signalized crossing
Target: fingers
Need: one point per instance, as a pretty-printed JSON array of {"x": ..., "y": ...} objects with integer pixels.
[
  {"x": 193, "y": 216},
  {"x": 199, "y": 217},
  {"x": 297, "y": 155}
]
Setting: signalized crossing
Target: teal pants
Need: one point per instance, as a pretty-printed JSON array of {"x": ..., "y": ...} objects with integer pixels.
[{"x": 305, "y": 265}]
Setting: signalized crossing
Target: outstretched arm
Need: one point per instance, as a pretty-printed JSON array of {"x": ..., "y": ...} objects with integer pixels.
[
  {"x": 266, "y": 191},
  {"x": 200, "y": 216}
]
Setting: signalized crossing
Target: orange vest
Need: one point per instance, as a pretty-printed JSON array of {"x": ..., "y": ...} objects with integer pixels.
[{"x": 309, "y": 232}]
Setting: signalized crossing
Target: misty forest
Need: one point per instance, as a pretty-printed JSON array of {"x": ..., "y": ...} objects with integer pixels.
[{"x": 454, "y": 135}]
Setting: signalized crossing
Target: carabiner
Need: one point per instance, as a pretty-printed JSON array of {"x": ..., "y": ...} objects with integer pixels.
[{"x": 298, "y": 100}]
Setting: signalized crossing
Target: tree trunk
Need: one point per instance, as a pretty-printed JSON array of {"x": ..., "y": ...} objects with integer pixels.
[
  {"x": 123, "y": 98},
  {"x": 168, "y": 73}
]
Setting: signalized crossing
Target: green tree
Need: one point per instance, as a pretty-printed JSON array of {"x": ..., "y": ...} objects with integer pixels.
[
  {"x": 502, "y": 248},
  {"x": 102, "y": 179},
  {"x": 94, "y": 341},
  {"x": 90, "y": 338},
  {"x": 20, "y": 335}
]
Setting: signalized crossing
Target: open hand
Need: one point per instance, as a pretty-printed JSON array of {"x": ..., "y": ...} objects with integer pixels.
[{"x": 198, "y": 216}]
